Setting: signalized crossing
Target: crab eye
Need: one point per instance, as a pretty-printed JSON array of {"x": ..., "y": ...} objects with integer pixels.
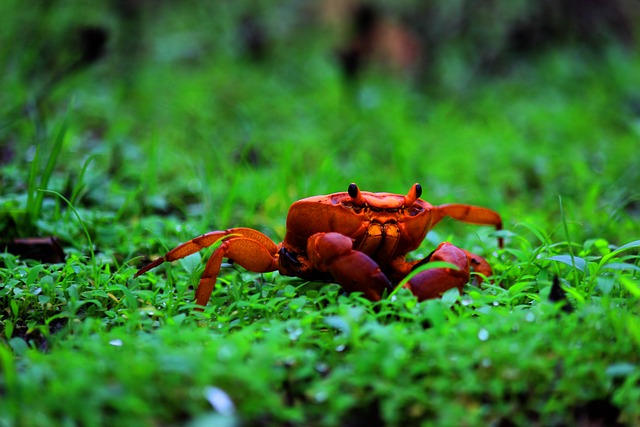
[
  {"x": 353, "y": 190},
  {"x": 418, "y": 190},
  {"x": 414, "y": 194}
]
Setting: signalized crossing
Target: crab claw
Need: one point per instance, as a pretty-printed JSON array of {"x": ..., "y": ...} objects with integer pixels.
[
  {"x": 432, "y": 283},
  {"x": 353, "y": 270}
]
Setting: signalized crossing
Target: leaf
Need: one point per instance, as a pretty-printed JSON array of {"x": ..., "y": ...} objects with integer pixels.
[
  {"x": 632, "y": 286},
  {"x": 52, "y": 159},
  {"x": 289, "y": 291},
  {"x": 177, "y": 319},
  {"x": 8, "y": 332},
  {"x": 605, "y": 284},
  {"x": 18, "y": 345},
  {"x": 577, "y": 296},
  {"x": 536, "y": 231},
  {"x": 297, "y": 303},
  {"x": 33, "y": 274},
  {"x": 630, "y": 245},
  {"x": 339, "y": 323},
  {"x": 434, "y": 312},
  {"x": 130, "y": 298},
  {"x": 72, "y": 291},
  {"x": 450, "y": 297},
  {"x": 519, "y": 286},
  {"x": 620, "y": 369},
  {"x": 573, "y": 261},
  {"x": 191, "y": 262},
  {"x": 621, "y": 266},
  {"x": 15, "y": 310}
]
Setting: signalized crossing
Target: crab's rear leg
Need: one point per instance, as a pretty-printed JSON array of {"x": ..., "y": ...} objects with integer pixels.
[
  {"x": 249, "y": 248},
  {"x": 353, "y": 270},
  {"x": 249, "y": 253}
]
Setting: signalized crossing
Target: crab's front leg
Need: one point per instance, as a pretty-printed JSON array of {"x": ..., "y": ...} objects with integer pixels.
[
  {"x": 353, "y": 270},
  {"x": 432, "y": 283}
]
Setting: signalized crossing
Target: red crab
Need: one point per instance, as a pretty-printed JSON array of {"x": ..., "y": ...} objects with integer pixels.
[{"x": 358, "y": 239}]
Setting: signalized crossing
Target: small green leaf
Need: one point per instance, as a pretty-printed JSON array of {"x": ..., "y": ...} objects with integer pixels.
[
  {"x": 33, "y": 274},
  {"x": 339, "y": 323},
  {"x": 621, "y": 266},
  {"x": 620, "y": 369},
  {"x": 450, "y": 297},
  {"x": 297, "y": 303},
  {"x": 289, "y": 291},
  {"x": 519, "y": 287},
  {"x": 434, "y": 312},
  {"x": 177, "y": 319},
  {"x": 632, "y": 286},
  {"x": 72, "y": 290},
  {"x": 130, "y": 299},
  {"x": 573, "y": 261},
  {"x": 8, "y": 330},
  {"x": 630, "y": 245},
  {"x": 14, "y": 308},
  {"x": 191, "y": 262},
  {"x": 605, "y": 284},
  {"x": 18, "y": 345}
]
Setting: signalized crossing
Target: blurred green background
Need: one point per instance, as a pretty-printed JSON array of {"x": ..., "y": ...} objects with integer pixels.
[{"x": 224, "y": 112}]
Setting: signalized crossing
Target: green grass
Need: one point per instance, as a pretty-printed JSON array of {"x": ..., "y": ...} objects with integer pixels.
[{"x": 124, "y": 169}]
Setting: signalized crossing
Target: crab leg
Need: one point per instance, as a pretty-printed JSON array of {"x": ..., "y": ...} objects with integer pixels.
[
  {"x": 248, "y": 253},
  {"x": 249, "y": 248},
  {"x": 353, "y": 270},
  {"x": 198, "y": 243},
  {"x": 478, "y": 265},
  {"x": 473, "y": 215},
  {"x": 432, "y": 283}
]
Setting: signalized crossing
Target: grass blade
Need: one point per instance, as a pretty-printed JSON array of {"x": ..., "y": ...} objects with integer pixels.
[
  {"x": 52, "y": 159},
  {"x": 424, "y": 267}
]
